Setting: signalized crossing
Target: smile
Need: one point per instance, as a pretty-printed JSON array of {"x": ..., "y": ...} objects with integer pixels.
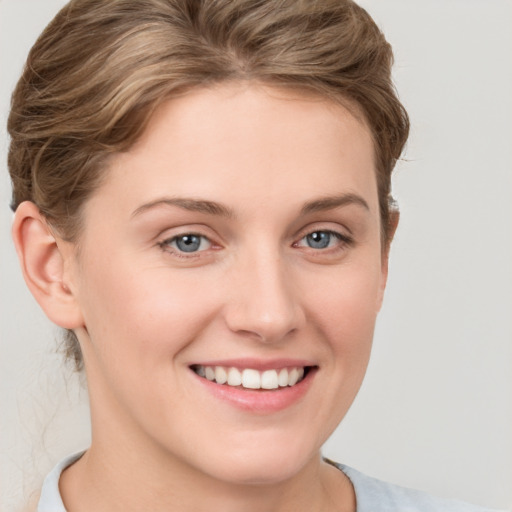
[{"x": 250, "y": 378}]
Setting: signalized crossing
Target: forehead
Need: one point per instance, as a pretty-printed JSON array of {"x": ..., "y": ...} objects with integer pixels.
[
  {"x": 247, "y": 142},
  {"x": 252, "y": 113}
]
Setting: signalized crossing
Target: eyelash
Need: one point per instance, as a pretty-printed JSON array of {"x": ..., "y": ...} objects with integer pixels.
[
  {"x": 165, "y": 245},
  {"x": 343, "y": 241}
]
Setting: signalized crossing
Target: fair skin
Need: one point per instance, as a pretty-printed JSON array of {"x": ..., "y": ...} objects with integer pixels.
[{"x": 248, "y": 240}]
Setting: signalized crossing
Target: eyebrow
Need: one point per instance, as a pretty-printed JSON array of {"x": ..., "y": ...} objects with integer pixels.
[
  {"x": 332, "y": 202},
  {"x": 214, "y": 208},
  {"x": 193, "y": 205}
]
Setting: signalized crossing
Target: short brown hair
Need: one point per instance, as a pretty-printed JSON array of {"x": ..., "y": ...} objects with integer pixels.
[{"x": 100, "y": 69}]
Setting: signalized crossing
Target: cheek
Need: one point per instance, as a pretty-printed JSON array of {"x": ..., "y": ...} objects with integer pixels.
[
  {"x": 143, "y": 314},
  {"x": 346, "y": 307},
  {"x": 138, "y": 324}
]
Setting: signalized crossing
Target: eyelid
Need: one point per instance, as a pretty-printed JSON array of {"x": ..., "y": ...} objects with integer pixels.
[
  {"x": 170, "y": 231},
  {"x": 168, "y": 236},
  {"x": 340, "y": 236},
  {"x": 329, "y": 227},
  {"x": 343, "y": 241},
  {"x": 335, "y": 234},
  {"x": 175, "y": 238}
]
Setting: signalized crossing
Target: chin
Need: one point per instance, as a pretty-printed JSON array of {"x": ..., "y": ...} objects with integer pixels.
[
  {"x": 260, "y": 466},
  {"x": 264, "y": 474}
]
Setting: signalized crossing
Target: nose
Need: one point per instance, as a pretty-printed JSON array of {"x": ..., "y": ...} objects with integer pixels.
[{"x": 264, "y": 301}]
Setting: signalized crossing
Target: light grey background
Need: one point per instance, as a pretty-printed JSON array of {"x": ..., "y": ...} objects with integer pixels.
[{"x": 436, "y": 409}]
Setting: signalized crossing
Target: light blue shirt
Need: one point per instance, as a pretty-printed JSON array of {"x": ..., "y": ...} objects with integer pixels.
[{"x": 372, "y": 495}]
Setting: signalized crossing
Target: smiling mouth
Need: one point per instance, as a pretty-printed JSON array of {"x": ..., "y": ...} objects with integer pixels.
[{"x": 250, "y": 378}]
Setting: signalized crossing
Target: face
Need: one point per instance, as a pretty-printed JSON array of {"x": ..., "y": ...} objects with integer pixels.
[{"x": 239, "y": 239}]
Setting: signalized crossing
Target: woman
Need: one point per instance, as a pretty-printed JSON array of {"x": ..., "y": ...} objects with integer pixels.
[{"x": 202, "y": 197}]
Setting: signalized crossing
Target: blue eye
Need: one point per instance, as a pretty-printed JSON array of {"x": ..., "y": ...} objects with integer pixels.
[
  {"x": 188, "y": 243},
  {"x": 321, "y": 240}
]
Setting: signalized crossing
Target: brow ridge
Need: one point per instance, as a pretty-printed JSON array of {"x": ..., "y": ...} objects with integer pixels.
[
  {"x": 331, "y": 202},
  {"x": 191, "y": 204},
  {"x": 214, "y": 208}
]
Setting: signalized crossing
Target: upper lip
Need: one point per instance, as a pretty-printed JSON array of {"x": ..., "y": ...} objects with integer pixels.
[{"x": 256, "y": 364}]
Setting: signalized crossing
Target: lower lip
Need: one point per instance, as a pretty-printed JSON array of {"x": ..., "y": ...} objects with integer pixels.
[{"x": 260, "y": 401}]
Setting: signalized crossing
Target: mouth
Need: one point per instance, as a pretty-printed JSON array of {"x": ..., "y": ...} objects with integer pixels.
[{"x": 250, "y": 378}]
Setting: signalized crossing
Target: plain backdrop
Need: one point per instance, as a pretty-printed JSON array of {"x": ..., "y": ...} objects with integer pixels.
[{"x": 435, "y": 411}]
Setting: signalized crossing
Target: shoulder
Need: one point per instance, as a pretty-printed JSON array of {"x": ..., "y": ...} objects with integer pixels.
[
  {"x": 50, "y": 499},
  {"x": 373, "y": 495}
]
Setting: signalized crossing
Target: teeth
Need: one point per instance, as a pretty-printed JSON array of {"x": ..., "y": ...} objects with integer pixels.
[
  {"x": 221, "y": 375},
  {"x": 269, "y": 379},
  {"x": 282, "y": 378},
  {"x": 250, "y": 378},
  {"x": 234, "y": 377},
  {"x": 293, "y": 377}
]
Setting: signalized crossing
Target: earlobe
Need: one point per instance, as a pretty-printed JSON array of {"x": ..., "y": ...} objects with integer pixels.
[{"x": 43, "y": 265}]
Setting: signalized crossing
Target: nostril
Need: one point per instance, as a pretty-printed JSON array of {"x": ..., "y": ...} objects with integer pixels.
[{"x": 265, "y": 328}]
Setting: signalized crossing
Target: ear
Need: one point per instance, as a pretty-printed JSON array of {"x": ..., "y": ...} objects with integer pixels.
[
  {"x": 43, "y": 264},
  {"x": 394, "y": 217}
]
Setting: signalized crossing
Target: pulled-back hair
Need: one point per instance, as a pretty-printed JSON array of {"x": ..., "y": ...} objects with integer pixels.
[{"x": 101, "y": 68}]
